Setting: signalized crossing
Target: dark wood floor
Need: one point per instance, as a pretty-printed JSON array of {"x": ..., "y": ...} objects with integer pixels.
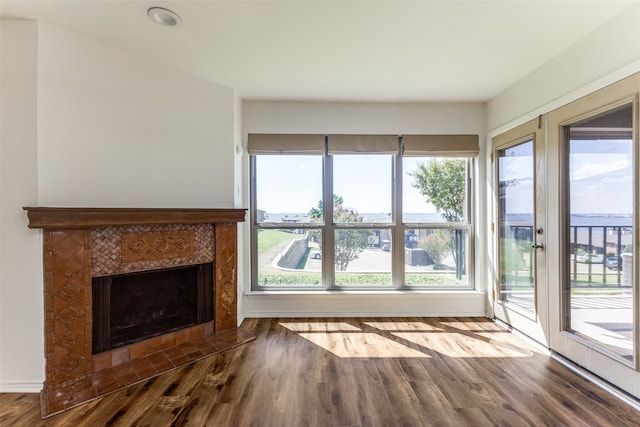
[{"x": 354, "y": 372}]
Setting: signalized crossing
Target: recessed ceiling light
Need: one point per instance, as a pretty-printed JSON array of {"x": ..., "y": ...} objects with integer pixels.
[{"x": 164, "y": 16}]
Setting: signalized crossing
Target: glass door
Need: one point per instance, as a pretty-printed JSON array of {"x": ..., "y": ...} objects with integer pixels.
[
  {"x": 594, "y": 297},
  {"x": 519, "y": 229}
]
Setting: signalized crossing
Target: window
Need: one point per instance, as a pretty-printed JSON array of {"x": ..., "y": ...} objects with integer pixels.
[{"x": 361, "y": 211}]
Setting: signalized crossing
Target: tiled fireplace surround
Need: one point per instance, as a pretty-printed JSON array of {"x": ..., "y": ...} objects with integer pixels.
[{"x": 81, "y": 243}]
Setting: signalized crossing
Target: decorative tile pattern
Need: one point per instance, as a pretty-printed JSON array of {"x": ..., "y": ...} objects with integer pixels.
[
  {"x": 107, "y": 255},
  {"x": 225, "y": 276},
  {"x": 154, "y": 245},
  {"x": 67, "y": 314}
]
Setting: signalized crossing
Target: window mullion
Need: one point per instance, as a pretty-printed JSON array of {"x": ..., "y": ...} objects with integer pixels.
[
  {"x": 397, "y": 233},
  {"x": 328, "y": 236}
]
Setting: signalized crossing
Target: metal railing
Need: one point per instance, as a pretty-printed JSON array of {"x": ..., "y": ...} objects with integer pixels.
[{"x": 590, "y": 246}]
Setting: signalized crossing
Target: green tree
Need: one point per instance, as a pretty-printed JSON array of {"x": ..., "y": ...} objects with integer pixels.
[
  {"x": 436, "y": 245},
  {"x": 316, "y": 213},
  {"x": 442, "y": 183},
  {"x": 348, "y": 243}
]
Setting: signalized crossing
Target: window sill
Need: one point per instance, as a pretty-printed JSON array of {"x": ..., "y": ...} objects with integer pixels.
[{"x": 408, "y": 293}]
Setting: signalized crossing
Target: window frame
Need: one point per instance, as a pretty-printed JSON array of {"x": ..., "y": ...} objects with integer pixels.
[{"x": 397, "y": 226}]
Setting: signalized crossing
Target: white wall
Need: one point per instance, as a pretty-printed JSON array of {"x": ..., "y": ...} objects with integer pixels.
[
  {"x": 605, "y": 56},
  {"x": 115, "y": 130},
  {"x": 373, "y": 118},
  {"x": 84, "y": 124},
  {"x": 21, "y": 299}
]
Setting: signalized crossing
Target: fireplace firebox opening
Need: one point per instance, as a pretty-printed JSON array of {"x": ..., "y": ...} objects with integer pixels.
[{"x": 128, "y": 308}]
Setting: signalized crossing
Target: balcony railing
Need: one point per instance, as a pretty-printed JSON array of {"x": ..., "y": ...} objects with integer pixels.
[{"x": 595, "y": 254}]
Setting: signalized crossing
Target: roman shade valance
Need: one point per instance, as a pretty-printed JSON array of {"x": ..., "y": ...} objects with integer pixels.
[
  {"x": 273, "y": 143},
  {"x": 441, "y": 145},
  {"x": 363, "y": 144}
]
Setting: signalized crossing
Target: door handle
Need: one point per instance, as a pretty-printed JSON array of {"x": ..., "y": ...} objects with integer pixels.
[{"x": 538, "y": 245}]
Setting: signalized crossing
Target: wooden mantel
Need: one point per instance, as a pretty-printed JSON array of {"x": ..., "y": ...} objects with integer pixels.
[{"x": 54, "y": 217}]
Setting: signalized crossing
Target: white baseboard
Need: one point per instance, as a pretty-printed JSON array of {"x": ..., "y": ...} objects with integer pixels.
[
  {"x": 21, "y": 387},
  {"x": 319, "y": 314}
]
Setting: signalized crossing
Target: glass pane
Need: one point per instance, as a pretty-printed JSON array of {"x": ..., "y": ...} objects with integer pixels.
[
  {"x": 362, "y": 188},
  {"x": 516, "y": 208},
  {"x": 434, "y": 189},
  {"x": 288, "y": 188},
  {"x": 289, "y": 257},
  {"x": 436, "y": 257},
  {"x": 363, "y": 257},
  {"x": 600, "y": 288}
]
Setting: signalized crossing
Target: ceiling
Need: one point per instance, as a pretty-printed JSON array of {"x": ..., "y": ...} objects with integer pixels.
[{"x": 383, "y": 51}]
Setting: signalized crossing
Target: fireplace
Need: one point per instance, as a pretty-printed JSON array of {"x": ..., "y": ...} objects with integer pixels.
[
  {"x": 132, "y": 307},
  {"x": 103, "y": 269}
]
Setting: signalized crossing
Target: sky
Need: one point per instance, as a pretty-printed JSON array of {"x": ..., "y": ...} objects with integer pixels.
[
  {"x": 600, "y": 175},
  {"x": 293, "y": 184}
]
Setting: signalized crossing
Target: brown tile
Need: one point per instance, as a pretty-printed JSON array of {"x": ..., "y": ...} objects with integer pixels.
[
  {"x": 182, "y": 337},
  {"x": 157, "y": 358},
  {"x": 164, "y": 367},
  {"x": 126, "y": 379},
  {"x": 56, "y": 406},
  {"x": 60, "y": 393},
  {"x": 195, "y": 332},
  {"x": 181, "y": 360},
  {"x": 205, "y": 347},
  {"x": 195, "y": 354},
  {"x": 143, "y": 368},
  {"x": 174, "y": 352},
  {"x": 207, "y": 329},
  {"x": 186, "y": 347},
  {"x": 106, "y": 387},
  {"x": 124, "y": 369},
  {"x": 137, "y": 351},
  {"x": 84, "y": 394},
  {"x": 119, "y": 356},
  {"x": 153, "y": 345},
  {"x": 105, "y": 381},
  {"x": 101, "y": 361},
  {"x": 168, "y": 340}
]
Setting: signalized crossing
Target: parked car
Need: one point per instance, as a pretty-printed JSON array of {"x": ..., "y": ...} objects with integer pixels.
[
  {"x": 316, "y": 255},
  {"x": 589, "y": 258},
  {"x": 614, "y": 262}
]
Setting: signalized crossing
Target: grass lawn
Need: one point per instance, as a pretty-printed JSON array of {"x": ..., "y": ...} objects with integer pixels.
[{"x": 269, "y": 238}]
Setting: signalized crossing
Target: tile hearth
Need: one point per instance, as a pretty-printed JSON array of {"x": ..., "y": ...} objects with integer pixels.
[{"x": 111, "y": 379}]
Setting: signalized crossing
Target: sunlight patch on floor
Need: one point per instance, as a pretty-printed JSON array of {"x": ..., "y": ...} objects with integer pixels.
[
  {"x": 361, "y": 344},
  {"x": 319, "y": 326},
  {"x": 448, "y": 345}
]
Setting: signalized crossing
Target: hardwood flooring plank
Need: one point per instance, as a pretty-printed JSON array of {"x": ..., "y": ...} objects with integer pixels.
[{"x": 355, "y": 372}]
